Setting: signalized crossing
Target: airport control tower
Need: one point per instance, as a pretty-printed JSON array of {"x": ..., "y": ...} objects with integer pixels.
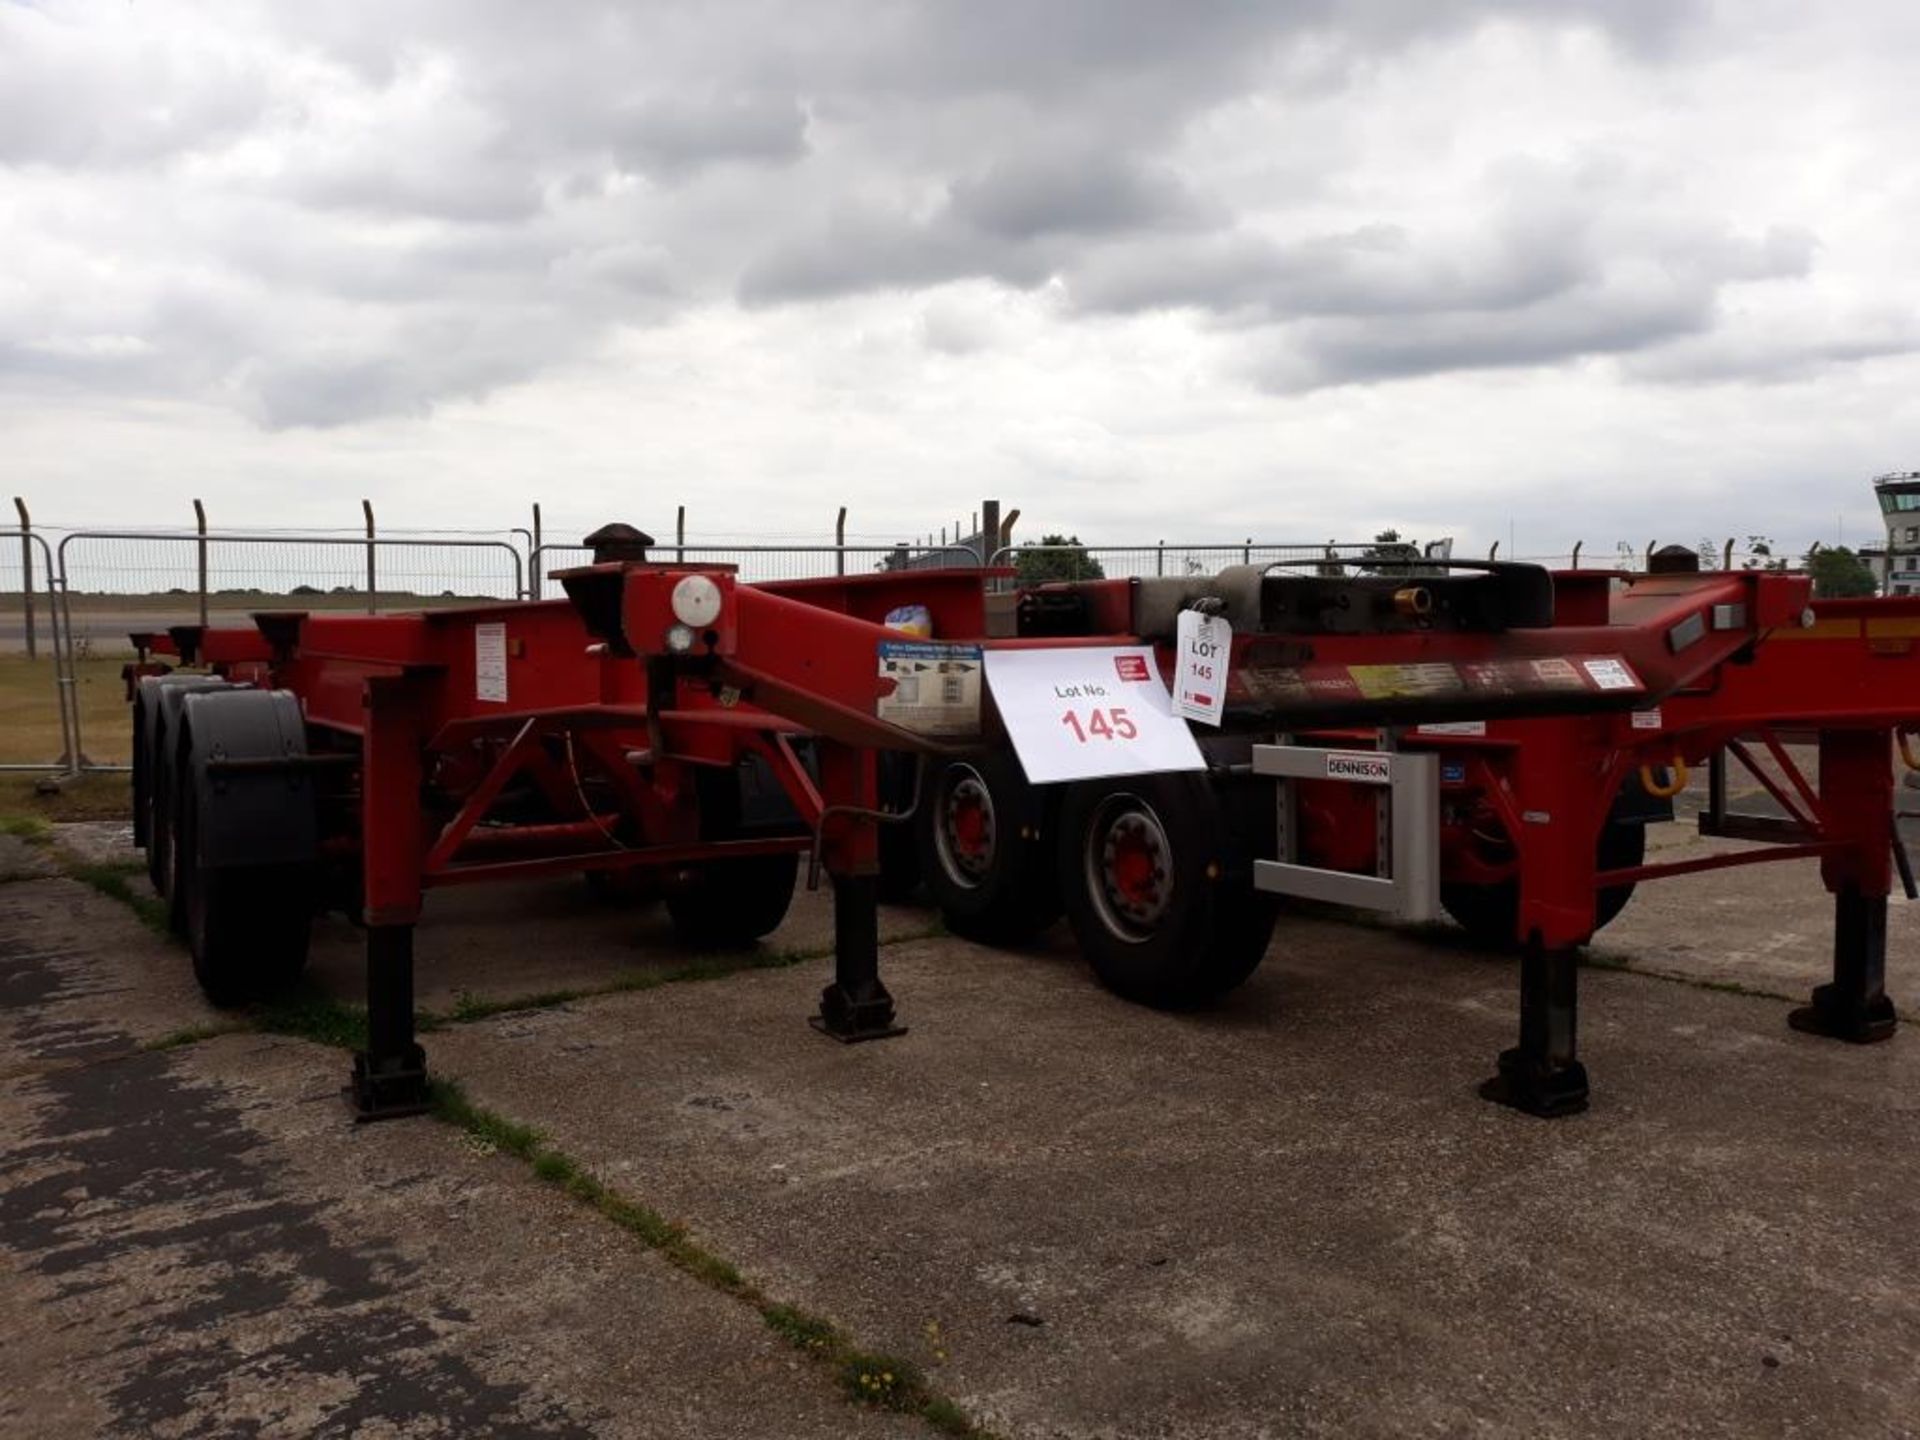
[{"x": 1897, "y": 568}]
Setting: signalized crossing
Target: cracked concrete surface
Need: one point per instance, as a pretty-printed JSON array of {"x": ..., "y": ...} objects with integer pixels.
[
  {"x": 198, "y": 1243},
  {"x": 1287, "y": 1216}
]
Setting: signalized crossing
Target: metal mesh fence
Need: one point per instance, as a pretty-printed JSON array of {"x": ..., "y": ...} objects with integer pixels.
[
  {"x": 1162, "y": 559},
  {"x": 760, "y": 563},
  {"x": 116, "y": 582}
]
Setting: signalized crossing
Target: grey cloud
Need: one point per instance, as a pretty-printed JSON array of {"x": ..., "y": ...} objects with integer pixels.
[
  {"x": 1596, "y": 320},
  {"x": 669, "y": 136},
  {"x": 71, "y": 97},
  {"x": 1085, "y": 194},
  {"x": 852, "y": 252},
  {"x": 388, "y": 207}
]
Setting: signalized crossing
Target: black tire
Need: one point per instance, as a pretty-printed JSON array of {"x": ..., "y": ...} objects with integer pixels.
[
  {"x": 1490, "y": 914},
  {"x": 626, "y": 889},
  {"x": 1156, "y": 871},
  {"x": 162, "y": 706},
  {"x": 733, "y": 902},
  {"x": 899, "y": 844},
  {"x": 247, "y": 927},
  {"x": 985, "y": 840}
]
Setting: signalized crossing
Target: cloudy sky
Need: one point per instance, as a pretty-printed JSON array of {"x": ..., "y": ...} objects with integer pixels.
[{"x": 1533, "y": 270}]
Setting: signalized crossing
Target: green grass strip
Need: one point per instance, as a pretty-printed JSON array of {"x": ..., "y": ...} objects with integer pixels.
[{"x": 867, "y": 1377}]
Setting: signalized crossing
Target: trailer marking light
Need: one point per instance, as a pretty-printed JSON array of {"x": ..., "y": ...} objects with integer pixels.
[{"x": 696, "y": 601}]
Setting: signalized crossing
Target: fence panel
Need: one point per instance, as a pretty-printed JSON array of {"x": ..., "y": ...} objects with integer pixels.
[
  {"x": 758, "y": 564},
  {"x": 116, "y": 581},
  {"x": 1130, "y": 562},
  {"x": 36, "y": 684}
]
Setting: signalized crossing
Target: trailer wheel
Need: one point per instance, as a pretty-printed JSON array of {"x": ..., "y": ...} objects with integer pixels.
[
  {"x": 156, "y": 721},
  {"x": 1158, "y": 889},
  {"x": 248, "y": 928},
  {"x": 244, "y": 844},
  {"x": 899, "y": 845},
  {"x": 733, "y": 902},
  {"x": 986, "y": 843},
  {"x": 1490, "y": 914},
  {"x": 626, "y": 889}
]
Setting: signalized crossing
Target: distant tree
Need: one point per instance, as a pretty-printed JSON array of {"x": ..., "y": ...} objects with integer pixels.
[
  {"x": 1056, "y": 557},
  {"x": 1388, "y": 546},
  {"x": 306, "y": 590},
  {"x": 1760, "y": 555},
  {"x": 1838, "y": 573}
]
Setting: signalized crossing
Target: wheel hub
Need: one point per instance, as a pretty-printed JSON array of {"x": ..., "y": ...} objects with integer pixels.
[
  {"x": 967, "y": 829},
  {"x": 1131, "y": 865}
]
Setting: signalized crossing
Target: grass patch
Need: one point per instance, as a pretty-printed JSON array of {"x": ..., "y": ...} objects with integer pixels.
[
  {"x": 30, "y": 711},
  {"x": 869, "y": 1378},
  {"x": 804, "y": 1332},
  {"x": 117, "y": 882},
  {"x": 307, "y": 1014},
  {"x": 34, "y": 829},
  {"x": 90, "y": 797},
  {"x": 194, "y": 1034}
]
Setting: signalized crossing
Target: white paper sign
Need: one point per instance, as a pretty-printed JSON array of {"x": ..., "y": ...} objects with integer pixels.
[
  {"x": 490, "y": 662},
  {"x": 1205, "y": 644},
  {"x": 1075, "y": 714}
]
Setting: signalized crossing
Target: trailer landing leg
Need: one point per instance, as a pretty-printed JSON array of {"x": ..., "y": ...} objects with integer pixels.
[
  {"x": 856, "y": 1006},
  {"x": 390, "y": 1075},
  {"x": 1541, "y": 1075},
  {"x": 1855, "y": 1006}
]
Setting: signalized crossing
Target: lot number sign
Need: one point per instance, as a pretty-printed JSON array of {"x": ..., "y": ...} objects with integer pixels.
[{"x": 1075, "y": 714}]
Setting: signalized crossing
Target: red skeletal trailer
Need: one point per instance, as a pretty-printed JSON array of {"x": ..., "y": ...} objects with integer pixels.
[{"x": 669, "y": 721}]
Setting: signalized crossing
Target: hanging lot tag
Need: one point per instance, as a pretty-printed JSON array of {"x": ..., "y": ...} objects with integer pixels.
[
  {"x": 1204, "y": 648},
  {"x": 1074, "y": 714}
]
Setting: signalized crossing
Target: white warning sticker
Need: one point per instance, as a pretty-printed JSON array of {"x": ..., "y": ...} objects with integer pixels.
[
  {"x": 936, "y": 688},
  {"x": 1647, "y": 719},
  {"x": 490, "y": 662},
  {"x": 1453, "y": 727},
  {"x": 1611, "y": 674}
]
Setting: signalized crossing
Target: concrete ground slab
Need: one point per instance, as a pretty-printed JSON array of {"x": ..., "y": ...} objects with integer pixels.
[
  {"x": 498, "y": 942},
  {"x": 20, "y": 860},
  {"x": 196, "y": 1241},
  {"x": 1289, "y": 1216},
  {"x": 104, "y": 842}
]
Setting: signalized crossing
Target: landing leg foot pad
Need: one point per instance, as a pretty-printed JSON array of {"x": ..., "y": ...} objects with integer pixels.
[
  {"x": 1535, "y": 1087},
  {"x": 389, "y": 1089},
  {"x": 851, "y": 1016},
  {"x": 1840, "y": 1016}
]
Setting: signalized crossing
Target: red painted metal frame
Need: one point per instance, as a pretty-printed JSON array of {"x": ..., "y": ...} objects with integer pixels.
[
  {"x": 1848, "y": 679},
  {"x": 1723, "y": 655}
]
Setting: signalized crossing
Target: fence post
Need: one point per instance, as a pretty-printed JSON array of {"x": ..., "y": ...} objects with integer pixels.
[
  {"x": 1246, "y": 555},
  {"x": 200, "y": 523},
  {"x": 989, "y": 529},
  {"x": 533, "y": 575},
  {"x": 1159, "y": 557},
  {"x": 1726, "y": 560},
  {"x": 1576, "y": 554},
  {"x": 679, "y": 534},
  {"x": 373, "y": 603},
  {"x": 1494, "y": 553},
  {"x": 26, "y": 570},
  {"x": 840, "y": 542}
]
